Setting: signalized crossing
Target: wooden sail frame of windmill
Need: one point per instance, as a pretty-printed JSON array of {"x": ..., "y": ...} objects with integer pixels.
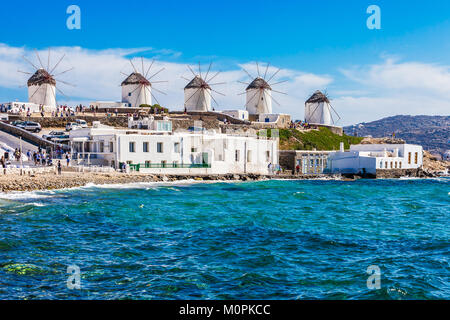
[
  {"x": 144, "y": 80},
  {"x": 203, "y": 84},
  {"x": 324, "y": 98},
  {"x": 261, "y": 83},
  {"x": 46, "y": 72}
]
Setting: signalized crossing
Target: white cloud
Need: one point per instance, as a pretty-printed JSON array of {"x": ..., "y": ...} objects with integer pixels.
[
  {"x": 394, "y": 87},
  {"x": 403, "y": 76}
]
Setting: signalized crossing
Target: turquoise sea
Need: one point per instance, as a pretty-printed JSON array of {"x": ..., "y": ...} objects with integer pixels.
[{"x": 247, "y": 240}]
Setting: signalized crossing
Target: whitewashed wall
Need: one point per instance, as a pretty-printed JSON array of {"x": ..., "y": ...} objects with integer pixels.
[
  {"x": 254, "y": 154},
  {"x": 258, "y": 101},
  {"x": 199, "y": 100},
  {"x": 45, "y": 95},
  {"x": 138, "y": 96},
  {"x": 318, "y": 113}
]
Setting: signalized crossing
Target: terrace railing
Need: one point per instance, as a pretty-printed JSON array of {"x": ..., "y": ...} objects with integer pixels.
[{"x": 137, "y": 167}]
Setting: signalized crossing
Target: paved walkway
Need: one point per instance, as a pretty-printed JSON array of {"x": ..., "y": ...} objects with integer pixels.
[{"x": 14, "y": 142}]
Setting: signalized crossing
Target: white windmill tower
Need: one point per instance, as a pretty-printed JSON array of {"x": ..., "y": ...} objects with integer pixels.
[
  {"x": 198, "y": 92},
  {"x": 318, "y": 110},
  {"x": 42, "y": 83},
  {"x": 137, "y": 87},
  {"x": 259, "y": 92}
]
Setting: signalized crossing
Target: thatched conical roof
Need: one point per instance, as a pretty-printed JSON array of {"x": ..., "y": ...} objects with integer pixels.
[
  {"x": 40, "y": 77},
  {"x": 197, "y": 83},
  {"x": 318, "y": 97},
  {"x": 136, "y": 78},
  {"x": 259, "y": 83}
]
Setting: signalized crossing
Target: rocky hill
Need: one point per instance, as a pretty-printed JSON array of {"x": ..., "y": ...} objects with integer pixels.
[{"x": 432, "y": 132}]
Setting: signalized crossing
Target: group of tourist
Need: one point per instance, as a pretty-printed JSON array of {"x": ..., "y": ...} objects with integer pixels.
[
  {"x": 301, "y": 125},
  {"x": 39, "y": 158},
  {"x": 274, "y": 169}
]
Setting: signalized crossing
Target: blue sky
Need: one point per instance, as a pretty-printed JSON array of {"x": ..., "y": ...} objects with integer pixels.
[{"x": 327, "y": 39}]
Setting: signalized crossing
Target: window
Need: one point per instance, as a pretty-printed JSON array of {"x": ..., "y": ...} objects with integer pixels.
[
  {"x": 132, "y": 147},
  {"x": 267, "y": 156},
  {"x": 409, "y": 157},
  {"x": 111, "y": 146},
  {"x": 176, "y": 147},
  {"x": 395, "y": 165},
  {"x": 416, "y": 157},
  {"x": 129, "y": 94},
  {"x": 249, "y": 155},
  {"x": 145, "y": 147},
  {"x": 400, "y": 165},
  {"x": 385, "y": 165},
  {"x": 193, "y": 149},
  {"x": 392, "y": 164},
  {"x": 159, "y": 147},
  {"x": 236, "y": 155},
  {"x": 101, "y": 147}
]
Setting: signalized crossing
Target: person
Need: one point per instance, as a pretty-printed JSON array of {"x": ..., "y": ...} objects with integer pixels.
[
  {"x": 297, "y": 168},
  {"x": 270, "y": 168},
  {"x": 3, "y": 163},
  {"x": 59, "y": 167},
  {"x": 68, "y": 159}
]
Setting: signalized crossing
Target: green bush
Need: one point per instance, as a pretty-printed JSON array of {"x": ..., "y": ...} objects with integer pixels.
[
  {"x": 322, "y": 139},
  {"x": 155, "y": 109}
]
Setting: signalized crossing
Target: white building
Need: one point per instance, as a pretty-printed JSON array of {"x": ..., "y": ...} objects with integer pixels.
[
  {"x": 318, "y": 109},
  {"x": 42, "y": 90},
  {"x": 109, "y": 105},
  {"x": 259, "y": 97},
  {"x": 160, "y": 151},
  {"x": 368, "y": 158},
  {"x": 197, "y": 95},
  {"x": 16, "y": 107},
  {"x": 149, "y": 123},
  {"x": 237, "y": 114},
  {"x": 136, "y": 90}
]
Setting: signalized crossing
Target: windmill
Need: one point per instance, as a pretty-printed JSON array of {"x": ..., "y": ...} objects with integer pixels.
[
  {"x": 259, "y": 92},
  {"x": 318, "y": 109},
  {"x": 198, "y": 92},
  {"x": 137, "y": 87},
  {"x": 42, "y": 83}
]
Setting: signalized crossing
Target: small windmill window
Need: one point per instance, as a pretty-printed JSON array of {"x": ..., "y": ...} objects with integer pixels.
[{"x": 129, "y": 94}]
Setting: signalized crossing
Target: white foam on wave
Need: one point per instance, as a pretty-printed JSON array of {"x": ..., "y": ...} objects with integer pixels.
[
  {"x": 38, "y": 204},
  {"x": 25, "y": 195}
]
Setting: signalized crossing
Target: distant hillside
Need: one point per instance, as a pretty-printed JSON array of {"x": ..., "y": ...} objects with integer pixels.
[{"x": 432, "y": 132}]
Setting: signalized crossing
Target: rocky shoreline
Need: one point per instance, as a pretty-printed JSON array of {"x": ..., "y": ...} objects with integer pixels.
[{"x": 51, "y": 181}]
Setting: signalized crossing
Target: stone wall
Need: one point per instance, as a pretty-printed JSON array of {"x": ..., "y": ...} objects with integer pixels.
[
  {"x": 28, "y": 136},
  {"x": 210, "y": 115},
  {"x": 398, "y": 173},
  {"x": 58, "y": 122}
]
